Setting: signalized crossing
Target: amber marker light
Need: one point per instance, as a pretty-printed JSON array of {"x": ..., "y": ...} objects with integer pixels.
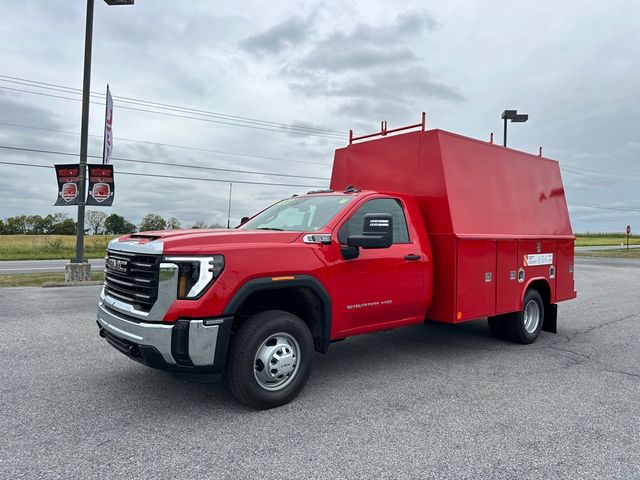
[
  {"x": 279, "y": 279},
  {"x": 182, "y": 286}
]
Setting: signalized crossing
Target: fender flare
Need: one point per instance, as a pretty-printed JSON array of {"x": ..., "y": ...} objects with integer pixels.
[
  {"x": 297, "y": 281},
  {"x": 527, "y": 286}
]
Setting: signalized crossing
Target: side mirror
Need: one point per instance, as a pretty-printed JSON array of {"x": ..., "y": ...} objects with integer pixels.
[{"x": 377, "y": 232}]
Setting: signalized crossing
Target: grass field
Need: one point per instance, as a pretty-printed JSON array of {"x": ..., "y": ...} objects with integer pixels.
[
  {"x": 49, "y": 247},
  {"x": 37, "y": 279},
  {"x": 597, "y": 239},
  {"x": 632, "y": 253}
]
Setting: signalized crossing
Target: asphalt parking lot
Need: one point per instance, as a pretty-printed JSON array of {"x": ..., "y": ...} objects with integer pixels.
[{"x": 430, "y": 401}]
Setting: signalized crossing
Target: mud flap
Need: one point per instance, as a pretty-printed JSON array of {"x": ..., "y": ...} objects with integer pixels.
[{"x": 550, "y": 323}]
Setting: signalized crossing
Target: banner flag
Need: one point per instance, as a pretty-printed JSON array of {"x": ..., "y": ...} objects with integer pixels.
[
  {"x": 107, "y": 147},
  {"x": 68, "y": 176},
  {"x": 101, "y": 185}
]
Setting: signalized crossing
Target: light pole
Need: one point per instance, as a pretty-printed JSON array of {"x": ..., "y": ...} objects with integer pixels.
[
  {"x": 514, "y": 116},
  {"x": 84, "y": 130}
]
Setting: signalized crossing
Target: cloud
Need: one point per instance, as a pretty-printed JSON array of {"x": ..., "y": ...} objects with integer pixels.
[
  {"x": 280, "y": 36},
  {"x": 395, "y": 85},
  {"x": 366, "y": 69},
  {"x": 327, "y": 64},
  {"x": 15, "y": 110},
  {"x": 405, "y": 26},
  {"x": 355, "y": 58},
  {"x": 383, "y": 92}
]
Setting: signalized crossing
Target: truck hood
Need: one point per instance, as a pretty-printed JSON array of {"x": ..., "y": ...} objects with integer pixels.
[{"x": 193, "y": 241}]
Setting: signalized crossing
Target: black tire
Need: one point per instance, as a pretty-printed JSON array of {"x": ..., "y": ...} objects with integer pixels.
[
  {"x": 498, "y": 327},
  {"x": 515, "y": 326},
  {"x": 245, "y": 344}
]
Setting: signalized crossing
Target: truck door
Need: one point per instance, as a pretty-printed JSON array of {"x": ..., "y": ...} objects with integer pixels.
[{"x": 381, "y": 285}]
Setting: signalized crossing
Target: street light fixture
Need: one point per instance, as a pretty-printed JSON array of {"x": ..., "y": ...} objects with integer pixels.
[
  {"x": 514, "y": 116},
  {"x": 84, "y": 131}
]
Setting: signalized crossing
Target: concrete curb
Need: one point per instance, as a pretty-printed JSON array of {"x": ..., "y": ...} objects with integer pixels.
[{"x": 72, "y": 284}]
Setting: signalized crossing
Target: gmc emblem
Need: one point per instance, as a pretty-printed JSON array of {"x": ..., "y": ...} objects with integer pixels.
[{"x": 117, "y": 265}]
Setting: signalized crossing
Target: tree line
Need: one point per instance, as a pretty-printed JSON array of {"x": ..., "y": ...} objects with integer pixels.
[{"x": 97, "y": 222}]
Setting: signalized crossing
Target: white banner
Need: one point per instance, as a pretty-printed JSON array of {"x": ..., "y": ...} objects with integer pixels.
[{"x": 107, "y": 147}]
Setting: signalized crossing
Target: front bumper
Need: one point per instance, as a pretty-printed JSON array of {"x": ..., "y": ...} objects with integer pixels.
[{"x": 196, "y": 346}]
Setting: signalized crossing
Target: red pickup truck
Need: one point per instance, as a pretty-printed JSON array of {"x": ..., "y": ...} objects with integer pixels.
[{"x": 417, "y": 225}]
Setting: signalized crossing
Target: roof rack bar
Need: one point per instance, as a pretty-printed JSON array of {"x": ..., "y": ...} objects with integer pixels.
[{"x": 385, "y": 131}]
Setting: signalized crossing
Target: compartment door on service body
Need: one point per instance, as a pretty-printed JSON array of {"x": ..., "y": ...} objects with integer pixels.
[{"x": 382, "y": 285}]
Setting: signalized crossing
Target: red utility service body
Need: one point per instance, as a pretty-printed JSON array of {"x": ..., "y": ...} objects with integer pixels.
[{"x": 493, "y": 221}]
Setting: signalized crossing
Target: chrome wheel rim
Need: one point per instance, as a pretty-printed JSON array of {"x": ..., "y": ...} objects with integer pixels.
[
  {"x": 277, "y": 361},
  {"x": 531, "y": 316}
]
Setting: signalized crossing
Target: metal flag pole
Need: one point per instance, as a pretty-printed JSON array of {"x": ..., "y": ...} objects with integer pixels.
[
  {"x": 229, "y": 210},
  {"x": 104, "y": 136}
]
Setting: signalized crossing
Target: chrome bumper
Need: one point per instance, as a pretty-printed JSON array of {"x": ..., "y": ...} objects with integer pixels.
[
  {"x": 198, "y": 341},
  {"x": 199, "y": 346}
]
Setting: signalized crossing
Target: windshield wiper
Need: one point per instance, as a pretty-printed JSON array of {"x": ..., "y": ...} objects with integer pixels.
[{"x": 270, "y": 228}]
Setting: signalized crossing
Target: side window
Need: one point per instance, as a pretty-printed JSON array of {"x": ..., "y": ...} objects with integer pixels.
[{"x": 354, "y": 225}]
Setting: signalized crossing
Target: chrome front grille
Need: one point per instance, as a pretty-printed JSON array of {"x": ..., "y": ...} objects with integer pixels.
[{"x": 132, "y": 278}]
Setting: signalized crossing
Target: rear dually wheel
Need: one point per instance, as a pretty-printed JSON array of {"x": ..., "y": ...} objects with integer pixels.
[{"x": 524, "y": 327}]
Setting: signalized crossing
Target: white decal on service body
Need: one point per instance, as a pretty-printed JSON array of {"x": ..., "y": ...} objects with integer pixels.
[{"x": 538, "y": 259}]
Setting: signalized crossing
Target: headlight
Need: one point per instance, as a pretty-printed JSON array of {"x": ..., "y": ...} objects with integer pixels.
[{"x": 196, "y": 274}]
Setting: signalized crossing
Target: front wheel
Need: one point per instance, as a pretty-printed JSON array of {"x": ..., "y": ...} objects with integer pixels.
[{"x": 270, "y": 359}]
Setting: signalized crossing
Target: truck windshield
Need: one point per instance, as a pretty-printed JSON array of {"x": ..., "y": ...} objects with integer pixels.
[{"x": 299, "y": 214}]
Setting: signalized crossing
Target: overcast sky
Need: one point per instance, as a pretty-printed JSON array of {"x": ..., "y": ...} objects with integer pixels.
[{"x": 331, "y": 65}]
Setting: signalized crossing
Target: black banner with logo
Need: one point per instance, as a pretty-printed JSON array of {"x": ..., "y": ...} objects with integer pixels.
[
  {"x": 68, "y": 184},
  {"x": 101, "y": 186}
]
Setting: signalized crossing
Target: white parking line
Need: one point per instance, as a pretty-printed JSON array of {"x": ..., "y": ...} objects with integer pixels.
[
  {"x": 52, "y": 269},
  {"x": 23, "y": 269}
]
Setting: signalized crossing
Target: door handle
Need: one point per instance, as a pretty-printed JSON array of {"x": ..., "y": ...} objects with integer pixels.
[{"x": 411, "y": 257}]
